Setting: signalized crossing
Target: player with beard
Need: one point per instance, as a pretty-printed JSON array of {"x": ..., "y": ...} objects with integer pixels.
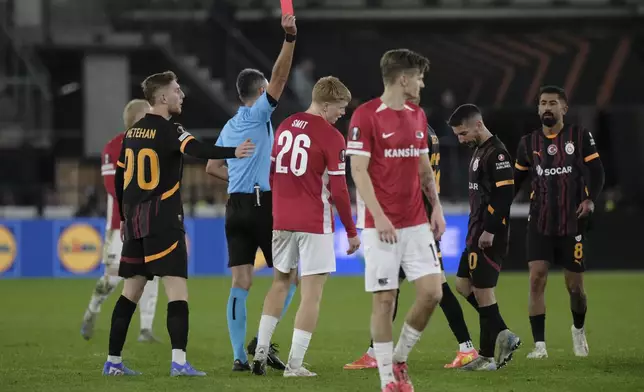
[
  {"x": 491, "y": 190},
  {"x": 567, "y": 176}
]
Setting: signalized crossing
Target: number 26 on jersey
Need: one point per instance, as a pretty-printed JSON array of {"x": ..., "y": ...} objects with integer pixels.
[{"x": 298, "y": 146}]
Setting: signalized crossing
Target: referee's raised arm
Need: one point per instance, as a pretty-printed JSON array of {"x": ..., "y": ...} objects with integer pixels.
[
  {"x": 282, "y": 67},
  {"x": 247, "y": 82}
]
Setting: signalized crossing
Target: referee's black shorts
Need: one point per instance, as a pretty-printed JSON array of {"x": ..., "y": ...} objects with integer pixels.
[{"x": 249, "y": 227}]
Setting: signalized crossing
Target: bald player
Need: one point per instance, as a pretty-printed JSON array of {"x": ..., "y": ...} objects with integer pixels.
[{"x": 135, "y": 110}]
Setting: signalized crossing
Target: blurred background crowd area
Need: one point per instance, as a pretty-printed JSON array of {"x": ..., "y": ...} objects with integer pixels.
[{"x": 68, "y": 67}]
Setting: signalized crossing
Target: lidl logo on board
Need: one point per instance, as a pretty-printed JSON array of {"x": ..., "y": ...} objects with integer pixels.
[
  {"x": 8, "y": 249},
  {"x": 79, "y": 248}
]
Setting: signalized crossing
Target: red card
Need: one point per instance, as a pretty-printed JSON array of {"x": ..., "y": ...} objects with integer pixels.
[{"x": 287, "y": 7}]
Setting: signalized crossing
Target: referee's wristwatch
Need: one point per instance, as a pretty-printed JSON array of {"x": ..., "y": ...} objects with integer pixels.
[{"x": 290, "y": 37}]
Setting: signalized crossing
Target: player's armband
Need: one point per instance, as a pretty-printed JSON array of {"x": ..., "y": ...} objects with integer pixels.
[{"x": 183, "y": 138}]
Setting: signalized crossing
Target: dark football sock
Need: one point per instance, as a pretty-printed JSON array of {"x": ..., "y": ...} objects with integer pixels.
[
  {"x": 121, "y": 317},
  {"x": 472, "y": 300},
  {"x": 578, "y": 306},
  {"x": 454, "y": 315},
  {"x": 178, "y": 323},
  {"x": 489, "y": 318},
  {"x": 538, "y": 325}
]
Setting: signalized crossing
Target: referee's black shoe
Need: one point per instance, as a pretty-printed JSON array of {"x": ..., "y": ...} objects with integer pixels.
[
  {"x": 239, "y": 366},
  {"x": 272, "y": 360}
]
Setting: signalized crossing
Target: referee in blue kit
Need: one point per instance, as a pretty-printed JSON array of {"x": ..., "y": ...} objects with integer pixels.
[{"x": 249, "y": 218}]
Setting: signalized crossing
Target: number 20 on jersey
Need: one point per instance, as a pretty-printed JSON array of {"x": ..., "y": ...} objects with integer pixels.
[{"x": 145, "y": 157}]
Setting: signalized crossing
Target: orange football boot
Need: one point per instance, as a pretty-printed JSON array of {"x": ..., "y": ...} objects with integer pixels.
[
  {"x": 462, "y": 359},
  {"x": 366, "y": 361}
]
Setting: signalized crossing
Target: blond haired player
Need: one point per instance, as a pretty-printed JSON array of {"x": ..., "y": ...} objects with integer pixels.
[
  {"x": 307, "y": 174},
  {"x": 135, "y": 110}
]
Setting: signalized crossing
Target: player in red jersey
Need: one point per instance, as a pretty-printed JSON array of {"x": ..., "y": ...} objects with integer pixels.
[
  {"x": 134, "y": 111},
  {"x": 449, "y": 303},
  {"x": 307, "y": 176},
  {"x": 390, "y": 165}
]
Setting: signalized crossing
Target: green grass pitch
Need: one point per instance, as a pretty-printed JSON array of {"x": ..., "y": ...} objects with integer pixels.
[{"x": 41, "y": 348}]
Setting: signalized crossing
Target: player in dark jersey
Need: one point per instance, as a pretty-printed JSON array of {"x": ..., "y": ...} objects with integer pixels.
[
  {"x": 491, "y": 190},
  {"x": 449, "y": 303},
  {"x": 567, "y": 177},
  {"x": 147, "y": 185},
  {"x": 135, "y": 110}
]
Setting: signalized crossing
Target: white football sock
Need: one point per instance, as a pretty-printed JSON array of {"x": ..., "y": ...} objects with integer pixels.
[
  {"x": 299, "y": 345},
  {"x": 179, "y": 356},
  {"x": 466, "y": 346},
  {"x": 408, "y": 339},
  {"x": 384, "y": 357},
  {"x": 108, "y": 284},
  {"x": 148, "y": 303},
  {"x": 371, "y": 352},
  {"x": 114, "y": 359},
  {"x": 267, "y": 325}
]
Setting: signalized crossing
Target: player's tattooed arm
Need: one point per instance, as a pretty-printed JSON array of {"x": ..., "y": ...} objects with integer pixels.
[
  {"x": 428, "y": 181},
  {"x": 217, "y": 168},
  {"x": 430, "y": 189}
]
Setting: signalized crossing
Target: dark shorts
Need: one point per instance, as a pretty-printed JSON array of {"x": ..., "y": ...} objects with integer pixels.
[
  {"x": 482, "y": 266},
  {"x": 565, "y": 251},
  {"x": 249, "y": 227},
  {"x": 401, "y": 273},
  {"x": 163, "y": 254}
]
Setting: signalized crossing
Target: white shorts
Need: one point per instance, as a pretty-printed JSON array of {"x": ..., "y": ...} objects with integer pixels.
[
  {"x": 112, "y": 248},
  {"x": 415, "y": 252},
  {"x": 315, "y": 252}
]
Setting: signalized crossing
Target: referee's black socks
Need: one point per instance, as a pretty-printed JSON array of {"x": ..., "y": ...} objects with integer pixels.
[
  {"x": 178, "y": 324},
  {"x": 121, "y": 317}
]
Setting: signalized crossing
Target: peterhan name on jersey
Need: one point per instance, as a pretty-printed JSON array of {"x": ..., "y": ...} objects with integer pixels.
[{"x": 141, "y": 133}]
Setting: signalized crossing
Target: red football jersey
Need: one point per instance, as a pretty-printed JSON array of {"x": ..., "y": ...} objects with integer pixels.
[
  {"x": 110, "y": 155},
  {"x": 394, "y": 140},
  {"x": 306, "y": 151}
]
